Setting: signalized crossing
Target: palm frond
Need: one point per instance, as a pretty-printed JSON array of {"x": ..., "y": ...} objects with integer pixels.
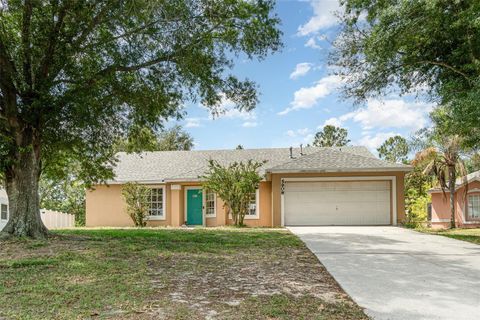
[{"x": 425, "y": 156}]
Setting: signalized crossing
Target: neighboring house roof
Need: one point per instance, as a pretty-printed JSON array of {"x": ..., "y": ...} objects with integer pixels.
[
  {"x": 474, "y": 176},
  {"x": 161, "y": 166}
]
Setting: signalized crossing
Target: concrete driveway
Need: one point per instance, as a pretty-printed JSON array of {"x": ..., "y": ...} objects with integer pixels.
[{"x": 397, "y": 273}]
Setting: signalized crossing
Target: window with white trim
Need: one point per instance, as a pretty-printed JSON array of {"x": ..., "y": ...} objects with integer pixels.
[
  {"x": 474, "y": 207},
  {"x": 253, "y": 206},
  {"x": 209, "y": 203},
  {"x": 4, "y": 212},
  {"x": 156, "y": 202}
]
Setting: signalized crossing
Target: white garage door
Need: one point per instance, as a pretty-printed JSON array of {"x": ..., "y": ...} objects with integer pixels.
[{"x": 337, "y": 203}]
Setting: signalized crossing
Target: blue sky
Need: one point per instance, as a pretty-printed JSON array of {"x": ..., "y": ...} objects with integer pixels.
[{"x": 299, "y": 95}]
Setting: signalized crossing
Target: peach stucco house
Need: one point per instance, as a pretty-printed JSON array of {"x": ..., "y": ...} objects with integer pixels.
[
  {"x": 313, "y": 186},
  {"x": 467, "y": 204}
]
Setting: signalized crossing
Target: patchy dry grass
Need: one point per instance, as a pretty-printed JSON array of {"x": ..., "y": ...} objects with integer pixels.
[
  {"x": 168, "y": 274},
  {"x": 470, "y": 235}
]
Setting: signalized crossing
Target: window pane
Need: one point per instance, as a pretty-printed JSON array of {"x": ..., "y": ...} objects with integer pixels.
[
  {"x": 252, "y": 208},
  {"x": 156, "y": 202},
  {"x": 210, "y": 203},
  {"x": 4, "y": 212},
  {"x": 474, "y": 206}
]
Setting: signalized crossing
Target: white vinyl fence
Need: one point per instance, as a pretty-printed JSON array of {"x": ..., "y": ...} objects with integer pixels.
[
  {"x": 56, "y": 220},
  {"x": 51, "y": 219}
]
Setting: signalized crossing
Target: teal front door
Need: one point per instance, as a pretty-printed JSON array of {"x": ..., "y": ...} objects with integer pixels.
[{"x": 194, "y": 207}]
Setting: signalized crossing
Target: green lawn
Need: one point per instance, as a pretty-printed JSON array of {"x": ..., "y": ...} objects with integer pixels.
[
  {"x": 169, "y": 274},
  {"x": 470, "y": 235}
]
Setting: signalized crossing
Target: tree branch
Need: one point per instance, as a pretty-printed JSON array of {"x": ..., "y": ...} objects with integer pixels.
[
  {"x": 52, "y": 41},
  {"x": 445, "y": 65},
  {"x": 27, "y": 62},
  {"x": 94, "y": 23}
]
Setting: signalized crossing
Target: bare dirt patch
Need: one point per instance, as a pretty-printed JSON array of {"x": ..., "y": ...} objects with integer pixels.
[
  {"x": 215, "y": 286},
  {"x": 168, "y": 274}
]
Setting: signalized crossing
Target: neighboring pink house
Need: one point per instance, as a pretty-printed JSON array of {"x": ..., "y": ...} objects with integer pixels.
[{"x": 467, "y": 204}]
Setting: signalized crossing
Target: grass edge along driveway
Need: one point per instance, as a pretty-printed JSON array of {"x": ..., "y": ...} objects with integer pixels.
[{"x": 470, "y": 235}]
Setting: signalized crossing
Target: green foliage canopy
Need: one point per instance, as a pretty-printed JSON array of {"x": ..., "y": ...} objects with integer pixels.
[
  {"x": 234, "y": 184},
  {"x": 331, "y": 136},
  {"x": 81, "y": 73},
  {"x": 145, "y": 139},
  {"x": 394, "y": 149}
]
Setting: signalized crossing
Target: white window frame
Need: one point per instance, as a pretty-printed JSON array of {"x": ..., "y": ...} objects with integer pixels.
[
  {"x": 214, "y": 215},
  {"x": 257, "y": 207},
  {"x": 8, "y": 213},
  {"x": 468, "y": 216},
  {"x": 164, "y": 204}
]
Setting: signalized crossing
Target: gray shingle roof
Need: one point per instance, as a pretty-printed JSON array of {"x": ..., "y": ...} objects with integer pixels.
[
  {"x": 188, "y": 165},
  {"x": 337, "y": 160}
]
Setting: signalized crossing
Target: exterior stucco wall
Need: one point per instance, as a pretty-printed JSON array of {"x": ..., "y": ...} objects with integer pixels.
[
  {"x": 276, "y": 189},
  {"x": 105, "y": 207},
  {"x": 441, "y": 207}
]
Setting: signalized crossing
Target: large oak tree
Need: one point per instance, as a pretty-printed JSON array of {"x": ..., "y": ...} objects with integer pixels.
[{"x": 76, "y": 75}]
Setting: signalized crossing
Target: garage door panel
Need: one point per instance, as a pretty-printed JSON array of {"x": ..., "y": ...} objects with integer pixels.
[{"x": 337, "y": 203}]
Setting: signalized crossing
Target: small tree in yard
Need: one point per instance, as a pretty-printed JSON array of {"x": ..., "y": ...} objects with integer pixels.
[
  {"x": 234, "y": 184},
  {"x": 137, "y": 199}
]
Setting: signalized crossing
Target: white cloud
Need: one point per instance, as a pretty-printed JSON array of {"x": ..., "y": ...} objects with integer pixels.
[
  {"x": 332, "y": 122},
  {"x": 375, "y": 141},
  {"x": 249, "y": 124},
  {"x": 304, "y": 132},
  {"x": 291, "y": 133},
  {"x": 312, "y": 43},
  {"x": 300, "y": 136},
  {"x": 393, "y": 113},
  {"x": 323, "y": 17},
  {"x": 301, "y": 69},
  {"x": 237, "y": 114},
  {"x": 305, "y": 98},
  {"x": 308, "y": 138},
  {"x": 192, "y": 122}
]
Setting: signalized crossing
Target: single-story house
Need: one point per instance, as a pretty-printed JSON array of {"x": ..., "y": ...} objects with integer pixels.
[
  {"x": 467, "y": 204},
  {"x": 309, "y": 186}
]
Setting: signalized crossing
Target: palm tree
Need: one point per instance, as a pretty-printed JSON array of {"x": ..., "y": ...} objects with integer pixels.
[{"x": 444, "y": 162}]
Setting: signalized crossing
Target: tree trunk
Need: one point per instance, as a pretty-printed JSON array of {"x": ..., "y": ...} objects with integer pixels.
[
  {"x": 22, "y": 181},
  {"x": 451, "y": 186}
]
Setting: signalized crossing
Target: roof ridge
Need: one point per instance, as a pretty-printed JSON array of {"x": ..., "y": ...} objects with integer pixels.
[{"x": 240, "y": 150}]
